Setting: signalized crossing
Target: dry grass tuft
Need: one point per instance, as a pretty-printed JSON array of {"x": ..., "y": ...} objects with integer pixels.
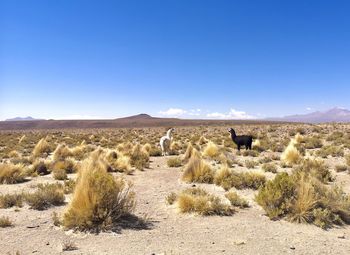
[
  {"x": 139, "y": 157},
  {"x": 61, "y": 152},
  {"x": 196, "y": 170},
  {"x": 196, "y": 200},
  {"x": 291, "y": 155},
  {"x": 11, "y": 174},
  {"x": 41, "y": 148},
  {"x": 211, "y": 150},
  {"x": 99, "y": 199}
]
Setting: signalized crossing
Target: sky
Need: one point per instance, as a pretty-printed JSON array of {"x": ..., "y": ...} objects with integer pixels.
[{"x": 73, "y": 59}]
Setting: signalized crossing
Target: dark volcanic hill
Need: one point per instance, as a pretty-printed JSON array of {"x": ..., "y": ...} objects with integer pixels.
[{"x": 136, "y": 121}]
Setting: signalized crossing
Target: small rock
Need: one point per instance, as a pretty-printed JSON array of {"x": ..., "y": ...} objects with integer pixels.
[
  {"x": 239, "y": 242},
  {"x": 193, "y": 185},
  {"x": 342, "y": 236},
  {"x": 292, "y": 248},
  {"x": 35, "y": 226}
]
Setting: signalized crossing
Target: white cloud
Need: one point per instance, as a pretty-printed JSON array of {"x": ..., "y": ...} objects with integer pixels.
[
  {"x": 216, "y": 115},
  {"x": 232, "y": 114},
  {"x": 194, "y": 112},
  {"x": 308, "y": 108},
  {"x": 173, "y": 112}
]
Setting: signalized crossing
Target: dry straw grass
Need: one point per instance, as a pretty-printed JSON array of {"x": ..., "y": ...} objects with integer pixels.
[
  {"x": 197, "y": 170},
  {"x": 291, "y": 155},
  {"x": 211, "y": 150},
  {"x": 99, "y": 199},
  {"x": 12, "y": 174},
  {"x": 41, "y": 148}
]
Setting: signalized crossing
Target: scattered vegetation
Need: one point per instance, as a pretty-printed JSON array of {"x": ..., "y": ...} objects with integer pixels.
[{"x": 199, "y": 201}]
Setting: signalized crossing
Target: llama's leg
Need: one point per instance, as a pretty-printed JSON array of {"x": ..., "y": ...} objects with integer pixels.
[{"x": 239, "y": 147}]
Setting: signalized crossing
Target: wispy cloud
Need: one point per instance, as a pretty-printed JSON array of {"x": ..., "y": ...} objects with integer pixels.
[
  {"x": 232, "y": 114},
  {"x": 198, "y": 113},
  {"x": 173, "y": 112}
]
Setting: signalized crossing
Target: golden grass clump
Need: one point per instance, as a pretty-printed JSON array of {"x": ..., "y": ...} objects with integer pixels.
[
  {"x": 41, "y": 148},
  {"x": 199, "y": 201},
  {"x": 197, "y": 170},
  {"x": 190, "y": 152},
  {"x": 99, "y": 199},
  {"x": 291, "y": 155},
  {"x": 11, "y": 174},
  {"x": 61, "y": 152},
  {"x": 211, "y": 150}
]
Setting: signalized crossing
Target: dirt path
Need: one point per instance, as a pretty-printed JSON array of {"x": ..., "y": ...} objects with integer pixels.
[{"x": 246, "y": 232}]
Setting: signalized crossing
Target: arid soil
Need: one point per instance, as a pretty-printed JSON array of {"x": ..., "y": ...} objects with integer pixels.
[{"x": 160, "y": 229}]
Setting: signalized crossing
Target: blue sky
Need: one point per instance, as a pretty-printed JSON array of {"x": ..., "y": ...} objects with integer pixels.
[{"x": 191, "y": 59}]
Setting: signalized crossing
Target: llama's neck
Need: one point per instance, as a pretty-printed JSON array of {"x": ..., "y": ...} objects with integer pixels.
[
  {"x": 168, "y": 134},
  {"x": 233, "y": 135}
]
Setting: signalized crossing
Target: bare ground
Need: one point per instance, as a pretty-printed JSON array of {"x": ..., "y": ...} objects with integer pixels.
[{"x": 246, "y": 232}]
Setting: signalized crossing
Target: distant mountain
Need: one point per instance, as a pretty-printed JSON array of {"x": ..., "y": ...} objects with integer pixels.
[
  {"x": 136, "y": 121},
  {"x": 142, "y": 116},
  {"x": 21, "y": 119},
  {"x": 333, "y": 115}
]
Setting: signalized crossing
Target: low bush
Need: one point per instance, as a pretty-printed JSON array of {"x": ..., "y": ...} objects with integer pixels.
[
  {"x": 304, "y": 199},
  {"x": 174, "y": 162},
  {"x": 269, "y": 167},
  {"x": 9, "y": 200},
  {"x": 228, "y": 178},
  {"x": 236, "y": 200},
  {"x": 197, "y": 200},
  {"x": 45, "y": 196}
]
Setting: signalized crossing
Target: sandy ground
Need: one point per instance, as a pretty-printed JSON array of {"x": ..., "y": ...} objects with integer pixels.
[{"x": 246, "y": 232}]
